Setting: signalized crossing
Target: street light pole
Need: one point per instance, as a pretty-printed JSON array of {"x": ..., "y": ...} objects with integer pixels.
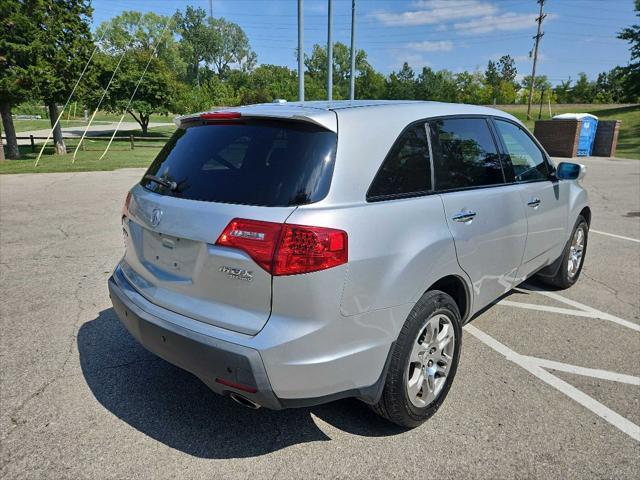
[
  {"x": 352, "y": 78},
  {"x": 330, "y": 52},
  {"x": 300, "y": 53}
]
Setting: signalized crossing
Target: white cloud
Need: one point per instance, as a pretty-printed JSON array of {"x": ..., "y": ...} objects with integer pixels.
[
  {"x": 504, "y": 22},
  {"x": 427, "y": 46},
  {"x": 429, "y": 12},
  {"x": 415, "y": 61},
  {"x": 465, "y": 17}
]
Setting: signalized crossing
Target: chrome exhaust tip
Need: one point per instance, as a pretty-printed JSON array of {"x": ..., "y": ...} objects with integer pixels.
[{"x": 244, "y": 401}]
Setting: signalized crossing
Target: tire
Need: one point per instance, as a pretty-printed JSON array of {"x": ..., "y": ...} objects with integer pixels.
[
  {"x": 396, "y": 403},
  {"x": 564, "y": 278}
]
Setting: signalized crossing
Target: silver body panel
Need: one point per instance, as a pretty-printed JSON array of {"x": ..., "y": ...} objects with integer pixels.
[{"x": 330, "y": 331}]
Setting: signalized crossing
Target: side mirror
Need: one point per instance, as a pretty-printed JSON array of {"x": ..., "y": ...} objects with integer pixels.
[{"x": 570, "y": 171}]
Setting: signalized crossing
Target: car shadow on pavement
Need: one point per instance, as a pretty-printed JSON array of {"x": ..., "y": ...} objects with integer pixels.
[{"x": 176, "y": 408}]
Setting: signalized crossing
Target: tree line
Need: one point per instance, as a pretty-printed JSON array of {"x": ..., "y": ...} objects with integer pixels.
[{"x": 192, "y": 62}]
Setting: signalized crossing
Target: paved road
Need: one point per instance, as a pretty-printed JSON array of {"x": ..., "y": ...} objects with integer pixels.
[
  {"x": 80, "y": 399},
  {"x": 102, "y": 128}
]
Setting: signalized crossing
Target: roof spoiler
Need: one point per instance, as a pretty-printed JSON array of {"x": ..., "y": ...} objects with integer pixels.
[{"x": 322, "y": 118}]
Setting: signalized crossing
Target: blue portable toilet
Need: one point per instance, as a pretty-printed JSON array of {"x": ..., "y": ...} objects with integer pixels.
[{"x": 588, "y": 127}]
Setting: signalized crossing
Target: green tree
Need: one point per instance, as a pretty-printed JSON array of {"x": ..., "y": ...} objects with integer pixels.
[
  {"x": 62, "y": 49},
  {"x": 137, "y": 31},
  {"x": 270, "y": 82},
  {"x": 155, "y": 94},
  {"x": 212, "y": 92},
  {"x": 138, "y": 36},
  {"x": 542, "y": 84},
  {"x": 583, "y": 90},
  {"x": 632, "y": 71},
  {"x": 19, "y": 26},
  {"x": 564, "y": 92},
  {"x": 316, "y": 65},
  {"x": 370, "y": 84},
  {"x": 195, "y": 41},
  {"x": 401, "y": 85},
  {"x": 437, "y": 86},
  {"x": 470, "y": 88},
  {"x": 492, "y": 80},
  {"x": 506, "y": 92},
  {"x": 229, "y": 46},
  {"x": 507, "y": 68}
]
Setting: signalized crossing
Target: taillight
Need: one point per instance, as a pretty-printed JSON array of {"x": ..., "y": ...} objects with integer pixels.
[
  {"x": 258, "y": 239},
  {"x": 127, "y": 202},
  {"x": 284, "y": 249},
  {"x": 305, "y": 249}
]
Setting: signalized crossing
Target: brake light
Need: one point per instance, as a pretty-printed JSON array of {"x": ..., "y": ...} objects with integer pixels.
[
  {"x": 258, "y": 239},
  {"x": 284, "y": 249},
  {"x": 127, "y": 202},
  {"x": 304, "y": 249},
  {"x": 220, "y": 115}
]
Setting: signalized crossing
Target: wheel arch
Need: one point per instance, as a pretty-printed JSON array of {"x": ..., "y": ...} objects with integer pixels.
[
  {"x": 456, "y": 288},
  {"x": 586, "y": 213}
]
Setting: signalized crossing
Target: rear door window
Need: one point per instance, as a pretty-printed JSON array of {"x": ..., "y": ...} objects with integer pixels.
[
  {"x": 406, "y": 171},
  {"x": 269, "y": 163},
  {"x": 464, "y": 154},
  {"x": 527, "y": 159}
]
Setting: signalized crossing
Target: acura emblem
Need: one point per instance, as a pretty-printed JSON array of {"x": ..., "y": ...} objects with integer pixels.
[{"x": 156, "y": 216}]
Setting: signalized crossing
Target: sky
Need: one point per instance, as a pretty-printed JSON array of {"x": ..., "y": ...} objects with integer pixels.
[{"x": 579, "y": 35}]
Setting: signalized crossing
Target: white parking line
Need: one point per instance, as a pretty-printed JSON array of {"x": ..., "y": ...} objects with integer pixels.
[
  {"x": 569, "y": 390},
  {"x": 568, "y": 311},
  {"x": 583, "y": 310},
  {"x": 621, "y": 237},
  {"x": 587, "y": 372}
]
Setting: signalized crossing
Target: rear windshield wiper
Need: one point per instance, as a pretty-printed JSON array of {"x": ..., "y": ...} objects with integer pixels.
[{"x": 161, "y": 181}]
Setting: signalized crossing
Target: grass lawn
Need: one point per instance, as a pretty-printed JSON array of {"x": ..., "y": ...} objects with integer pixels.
[
  {"x": 120, "y": 155},
  {"x": 629, "y": 115},
  {"x": 43, "y": 124},
  {"x": 100, "y": 119}
]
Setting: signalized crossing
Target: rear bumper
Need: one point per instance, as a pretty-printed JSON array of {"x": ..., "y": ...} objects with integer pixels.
[
  {"x": 280, "y": 363},
  {"x": 206, "y": 357}
]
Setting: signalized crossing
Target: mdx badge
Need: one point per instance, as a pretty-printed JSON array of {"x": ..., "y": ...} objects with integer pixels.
[{"x": 238, "y": 273}]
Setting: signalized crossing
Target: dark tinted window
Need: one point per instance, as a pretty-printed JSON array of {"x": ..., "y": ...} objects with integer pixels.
[
  {"x": 270, "y": 163},
  {"x": 526, "y": 158},
  {"x": 464, "y": 154},
  {"x": 406, "y": 170}
]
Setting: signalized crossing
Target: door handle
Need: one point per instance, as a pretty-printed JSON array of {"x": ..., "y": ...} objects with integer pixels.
[
  {"x": 464, "y": 216},
  {"x": 534, "y": 202}
]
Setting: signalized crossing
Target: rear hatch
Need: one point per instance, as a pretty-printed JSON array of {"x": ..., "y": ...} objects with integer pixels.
[{"x": 212, "y": 171}]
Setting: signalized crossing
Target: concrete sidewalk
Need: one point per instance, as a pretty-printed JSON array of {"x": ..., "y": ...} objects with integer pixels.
[{"x": 94, "y": 130}]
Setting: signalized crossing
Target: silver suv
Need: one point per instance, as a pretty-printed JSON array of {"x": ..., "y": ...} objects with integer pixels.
[{"x": 293, "y": 254}]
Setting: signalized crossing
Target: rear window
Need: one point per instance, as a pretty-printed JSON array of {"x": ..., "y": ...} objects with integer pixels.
[{"x": 268, "y": 163}]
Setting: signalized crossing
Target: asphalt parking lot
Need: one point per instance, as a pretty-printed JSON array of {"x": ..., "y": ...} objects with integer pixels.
[{"x": 548, "y": 385}]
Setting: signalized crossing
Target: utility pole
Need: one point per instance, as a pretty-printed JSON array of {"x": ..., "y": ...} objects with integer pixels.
[
  {"x": 352, "y": 78},
  {"x": 541, "y": 100},
  {"x": 210, "y": 8},
  {"x": 535, "y": 57},
  {"x": 1, "y": 146},
  {"x": 330, "y": 53},
  {"x": 300, "y": 53}
]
